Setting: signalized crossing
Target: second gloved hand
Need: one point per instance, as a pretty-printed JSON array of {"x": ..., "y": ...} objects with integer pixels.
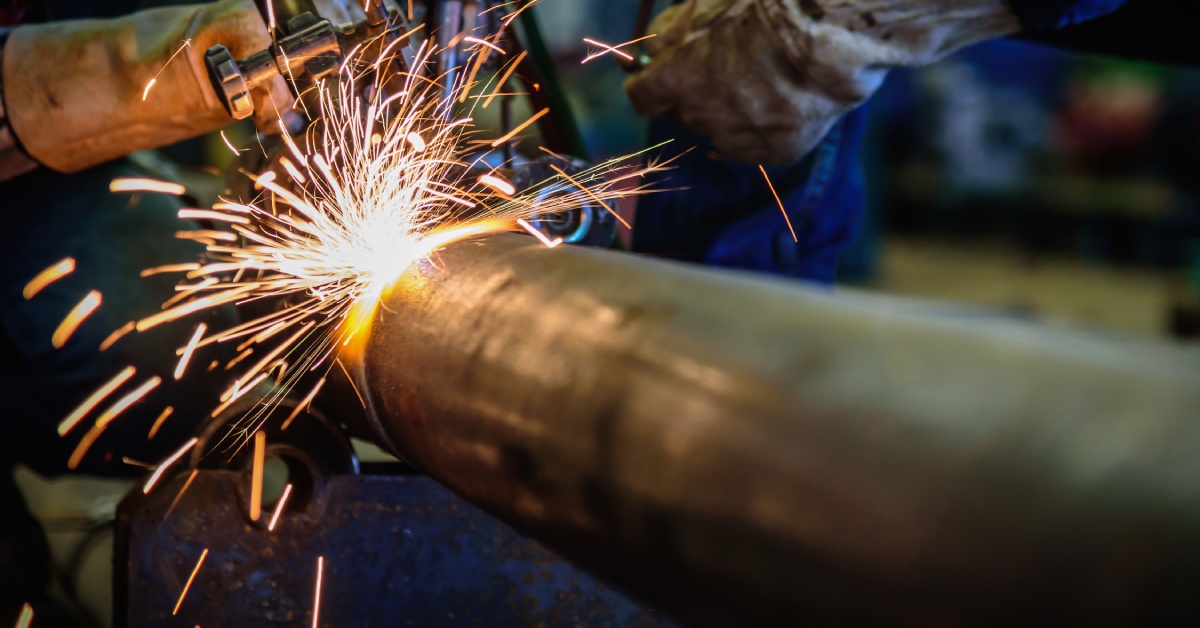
[{"x": 766, "y": 79}]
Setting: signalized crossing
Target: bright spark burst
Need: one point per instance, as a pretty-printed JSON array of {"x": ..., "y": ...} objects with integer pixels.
[
  {"x": 317, "y": 593},
  {"x": 385, "y": 178}
]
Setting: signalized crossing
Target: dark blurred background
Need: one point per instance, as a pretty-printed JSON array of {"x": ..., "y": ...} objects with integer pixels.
[{"x": 1014, "y": 175}]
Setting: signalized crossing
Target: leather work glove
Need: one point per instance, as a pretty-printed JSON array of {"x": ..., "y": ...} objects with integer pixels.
[
  {"x": 766, "y": 79},
  {"x": 74, "y": 89}
]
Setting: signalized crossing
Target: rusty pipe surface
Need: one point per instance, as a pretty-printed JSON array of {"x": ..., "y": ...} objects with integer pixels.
[{"x": 742, "y": 451}]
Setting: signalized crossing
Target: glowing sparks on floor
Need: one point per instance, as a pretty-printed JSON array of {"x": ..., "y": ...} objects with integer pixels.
[
  {"x": 780, "y": 203},
  {"x": 287, "y": 490},
  {"x": 46, "y": 277},
  {"x": 191, "y": 578},
  {"x": 162, "y": 467},
  {"x": 146, "y": 185},
  {"x": 75, "y": 318}
]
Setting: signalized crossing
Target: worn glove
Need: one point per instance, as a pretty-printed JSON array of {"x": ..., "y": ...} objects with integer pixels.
[
  {"x": 74, "y": 89},
  {"x": 766, "y": 79}
]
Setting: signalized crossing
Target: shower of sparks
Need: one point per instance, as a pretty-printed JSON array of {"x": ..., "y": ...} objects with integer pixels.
[
  {"x": 158, "y": 423},
  {"x": 780, "y": 203},
  {"x": 75, "y": 318},
  {"x": 189, "y": 349},
  {"x": 146, "y": 185},
  {"x": 256, "y": 475},
  {"x": 26, "y": 616},
  {"x": 287, "y": 490},
  {"x": 606, "y": 49},
  {"x": 303, "y": 405},
  {"x": 317, "y": 594},
  {"x": 388, "y": 175},
  {"x": 47, "y": 277},
  {"x": 162, "y": 467},
  {"x": 91, "y": 402},
  {"x": 191, "y": 578},
  {"x": 187, "y": 43}
]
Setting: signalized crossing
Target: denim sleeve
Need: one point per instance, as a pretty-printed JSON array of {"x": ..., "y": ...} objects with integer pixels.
[{"x": 1048, "y": 14}]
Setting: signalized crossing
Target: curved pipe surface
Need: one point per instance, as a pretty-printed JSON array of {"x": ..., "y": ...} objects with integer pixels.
[{"x": 743, "y": 450}]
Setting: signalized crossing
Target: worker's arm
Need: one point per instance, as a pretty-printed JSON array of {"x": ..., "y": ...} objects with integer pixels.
[
  {"x": 75, "y": 93},
  {"x": 767, "y": 79}
]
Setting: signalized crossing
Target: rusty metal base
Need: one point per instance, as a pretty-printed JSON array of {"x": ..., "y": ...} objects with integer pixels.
[{"x": 398, "y": 550}]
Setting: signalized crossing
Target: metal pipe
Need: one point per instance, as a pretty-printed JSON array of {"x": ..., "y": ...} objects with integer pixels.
[{"x": 743, "y": 451}]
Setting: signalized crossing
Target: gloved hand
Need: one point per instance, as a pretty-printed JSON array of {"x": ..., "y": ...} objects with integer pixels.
[
  {"x": 766, "y": 79},
  {"x": 74, "y": 89}
]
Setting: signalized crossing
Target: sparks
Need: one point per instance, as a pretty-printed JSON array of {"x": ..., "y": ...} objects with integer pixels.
[
  {"x": 158, "y": 423},
  {"x": 75, "y": 318},
  {"x": 780, "y": 203},
  {"x": 146, "y": 92},
  {"x": 146, "y": 185},
  {"x": 539, "y": 235},
  {"x": 287, "y": 490},
  {"x": 91, "y": 402},
  {"x": 317, "y": 594},
  {"x": 498, "y": 184},
  {"x": 162, "y": 467},
  {"x": 107, "y": 417},
  {"x": 521, "y": 127},
  {"x": 605, "y": 48},
  {"x": 189, "y": 349},
  {"x": 26, "y": 616},
  {"x": 46, "y": 277},
  {"x": 256, "y": 475},
  {"x": 190, "y": 579}
]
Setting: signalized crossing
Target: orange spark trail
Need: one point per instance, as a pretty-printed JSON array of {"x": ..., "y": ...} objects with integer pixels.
[
  {"x": 189, "y": 582},
  {"x": 146, "y": 185},
  {"x": 780, "y": 202},
  {"x": 613, "y": 49},
  {"x": 26, "y": 616},
  {"x": 75, "y": 318},
  {"x": 205, "y": 214},
  {"x": 46, "y": 277},
  {"x": 302, "y": 405},
  {"x": 521, "y": 127},
  {"x": 91, "y": 402},
  {"x": 170, "y": 268},
  {"x": 167, "y": 463},
  {"x": 539, "y": 235},
  {"x": 589, "y": 192},
  {"x": 116, "y": 335},
  {"x": 158, "y": 423},
  {"x": 146, "y": 92},
  {"x": 107, "y": 417},
  {"x": 287, "y": 490},
  {"x": 229, "y": 143},
  {"x": 512, "y": 67},
  {"x": 179, "y": 496},
  {"x": 498, "y": 184},
  {"x": 256, "y": 475},
  {"x": 189, "y": 349},
  {"x": 317, "y": 595}
]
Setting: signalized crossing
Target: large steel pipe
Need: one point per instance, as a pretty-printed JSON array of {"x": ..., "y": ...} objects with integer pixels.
[{"x": 742, "y": 451}]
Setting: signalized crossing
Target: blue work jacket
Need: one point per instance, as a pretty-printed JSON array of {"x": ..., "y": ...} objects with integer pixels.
[{"x": 722, "y": 213}]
